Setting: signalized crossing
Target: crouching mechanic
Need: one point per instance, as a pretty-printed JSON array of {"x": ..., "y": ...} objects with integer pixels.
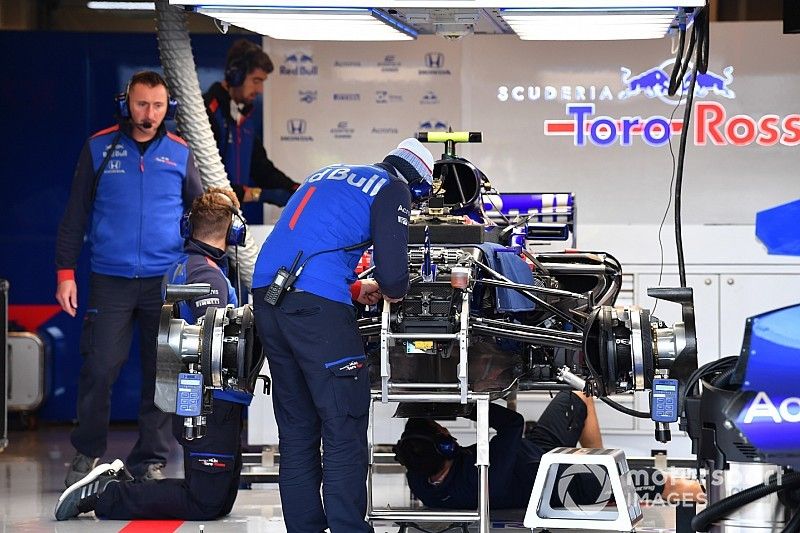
[
  {"x": 443, "y": 474},
  {"x": 212, "y": 464},
  {"x": 315, "y": 352}
]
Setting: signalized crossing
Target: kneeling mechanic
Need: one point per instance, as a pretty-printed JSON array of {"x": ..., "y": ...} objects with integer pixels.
[{"x": 213, "y": 463}]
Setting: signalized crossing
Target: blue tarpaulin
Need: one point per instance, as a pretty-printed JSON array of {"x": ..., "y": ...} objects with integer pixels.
[{"x": 779, "y": 228}]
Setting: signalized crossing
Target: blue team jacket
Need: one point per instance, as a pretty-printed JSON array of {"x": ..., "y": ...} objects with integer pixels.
[
  {"x": 340, "y": 206},
  {"x": 139, "y": 202},
  {"x": 204, "y": 264}
]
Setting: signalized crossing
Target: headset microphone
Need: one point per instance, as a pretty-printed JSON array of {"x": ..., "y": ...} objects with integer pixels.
[{"x": 146, "y": 124}]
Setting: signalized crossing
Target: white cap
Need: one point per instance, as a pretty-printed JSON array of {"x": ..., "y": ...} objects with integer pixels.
[{"x": 418, "y": 156}]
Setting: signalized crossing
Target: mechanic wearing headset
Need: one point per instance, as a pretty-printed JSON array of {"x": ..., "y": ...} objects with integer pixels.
[
  {"x": 443, "y": 474},
  {"x": 315, "y": 353},
  {"x": 131, "y": 185},
  {"x": 212, "y": 464},
  {"x": 229, "y": 105}
]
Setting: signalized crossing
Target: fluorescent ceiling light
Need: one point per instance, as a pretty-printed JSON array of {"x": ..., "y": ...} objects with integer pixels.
[
  {"x": 127, "y": 6},
  {"x": 457, "y": 4},
  {"x": 589, "y": 24},
  {"x": 315, "y": 24}
]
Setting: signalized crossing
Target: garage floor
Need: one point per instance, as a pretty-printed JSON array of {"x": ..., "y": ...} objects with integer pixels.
[{"x": 32, "y": 472}]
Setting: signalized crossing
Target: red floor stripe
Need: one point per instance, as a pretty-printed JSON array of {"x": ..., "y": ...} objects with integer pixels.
[{"x": 152, "y": 526}]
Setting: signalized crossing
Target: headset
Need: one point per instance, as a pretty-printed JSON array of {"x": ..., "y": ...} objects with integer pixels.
[
  {"x": 420, "y": 190},
  {"x": 237, "y": 231},
  {"x": 123, "y": 108},
  {"x": 444, "y": 445},
  {"x": 237, "y": 69}
]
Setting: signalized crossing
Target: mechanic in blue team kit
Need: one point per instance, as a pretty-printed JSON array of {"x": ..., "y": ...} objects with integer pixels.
[
  {"x": 443, "y": 474},
  {"x": 132, "y": 183},
  {"x": 315, "y": 353},
  {"x": 229, "y": 105},
  {"x": 212, "y": 464}
]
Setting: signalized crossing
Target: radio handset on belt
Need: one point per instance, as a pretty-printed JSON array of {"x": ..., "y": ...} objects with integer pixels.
[
  {"x": 283, "y": 282},
  {"x": 284, "y": 279}
]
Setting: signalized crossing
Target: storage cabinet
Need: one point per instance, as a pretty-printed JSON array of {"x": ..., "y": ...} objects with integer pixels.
[{"x": 723, "y": 302}]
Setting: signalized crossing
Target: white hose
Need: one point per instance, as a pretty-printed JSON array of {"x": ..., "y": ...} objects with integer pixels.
[{"x": 177, "y": 60}]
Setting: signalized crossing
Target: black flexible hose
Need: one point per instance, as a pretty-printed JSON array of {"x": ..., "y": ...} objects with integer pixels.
[
  {"x": 722, "y": 379},
  {"x": 704, "y": 519},
  {"x": 702, "y": 20},
  {"x": 708, "y": 368},
  {"x": 676, "y": 67},
  {"x": 622, "y": 409},
  {"x": 793, "y": 526},
  {"x": 680, "y": 68},
  {"x": 699, "y": 34},
  {"x": 679, "y": 177}
]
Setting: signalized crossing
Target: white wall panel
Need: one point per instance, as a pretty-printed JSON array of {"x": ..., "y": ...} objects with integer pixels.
[{"x": 382, "y": 90}]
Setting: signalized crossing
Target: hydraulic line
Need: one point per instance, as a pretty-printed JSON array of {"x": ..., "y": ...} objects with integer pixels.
[
  {"x": 794, "y": 524},
  {"x": 177, "y": 59},
  {"x": 722, "y": 508}
]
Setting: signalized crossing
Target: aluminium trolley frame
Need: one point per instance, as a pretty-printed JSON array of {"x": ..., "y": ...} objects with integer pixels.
[{"x": 432, "y": 392}]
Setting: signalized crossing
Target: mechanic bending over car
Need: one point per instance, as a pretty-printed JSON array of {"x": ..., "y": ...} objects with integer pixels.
[
  {"x": 443, "y": 474},
  {"x": 212, "y": 464},
  {"x": 315, "y": 352}
]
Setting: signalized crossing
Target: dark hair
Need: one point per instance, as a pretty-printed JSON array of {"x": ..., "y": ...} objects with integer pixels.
[
  {"x": 149, "y": 78},
  {"x": 248, "y": 56},
  {"x": 211, "y": 214},
  {"x": 416, "y": 449}
]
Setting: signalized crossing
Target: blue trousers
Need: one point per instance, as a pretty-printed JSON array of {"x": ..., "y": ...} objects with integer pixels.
[
  {"x": 115, "y": 304},
  {"x": 211, "y": 468},
  {"x": 320, "y": 393}
]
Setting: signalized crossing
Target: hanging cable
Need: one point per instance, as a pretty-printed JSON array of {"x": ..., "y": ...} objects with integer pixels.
[
  {"x": 676, "y": 67},
  {"x": 669, "y": 201},
  {"x": 699, "y": 34},
  {"x": 622, "y": 409},
  {"x": 702, "y": 21}
]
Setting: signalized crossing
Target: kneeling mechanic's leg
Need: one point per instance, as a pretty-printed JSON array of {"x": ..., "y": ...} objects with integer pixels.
[{"x": 212, "y": 465}]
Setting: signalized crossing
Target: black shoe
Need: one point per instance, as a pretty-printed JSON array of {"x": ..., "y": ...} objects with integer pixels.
[
  {"x": 81, "y": 465},
  {"x": 81, "y": 497}
]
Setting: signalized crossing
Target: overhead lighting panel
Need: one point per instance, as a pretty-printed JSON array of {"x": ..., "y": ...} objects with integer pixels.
[
  {"x": 589, "y": 24},
  {"x": 314, "y": 24},
  {"x": 445, "y": 4},
  {"x": 123, "y": 6}
]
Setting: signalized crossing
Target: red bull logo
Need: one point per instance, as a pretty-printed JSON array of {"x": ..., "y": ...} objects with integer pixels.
[{"x": 654, "y": 83}]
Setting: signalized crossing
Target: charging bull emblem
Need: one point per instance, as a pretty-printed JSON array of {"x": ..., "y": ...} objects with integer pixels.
[
  {"x": 711, "y": 82},
  {"x": 654, "y": 83}
]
